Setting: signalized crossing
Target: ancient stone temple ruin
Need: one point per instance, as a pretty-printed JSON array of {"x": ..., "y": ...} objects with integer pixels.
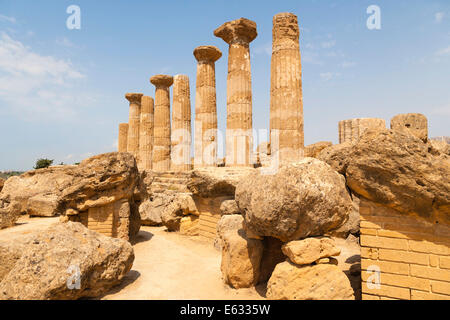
[
  {"x": 205, "y": 146},
  {"x": 161, "y": 135},
  {"x": 262, "y": 233},
  {"x": 239, "y": 138},
  {"x": 351, "y": 130},
  {"x": 286, "y": 100}
]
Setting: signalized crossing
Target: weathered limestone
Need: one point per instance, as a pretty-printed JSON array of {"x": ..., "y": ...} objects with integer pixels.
[
  {"x": 351, "y": 130},
  {"x": 413, "y": 123},
  {"x": 238, "y": 34},
  {"x": 161, "y": 134},
  {"x": 146, "y": 133},
  {"x": 286, "y": 99},
  {"x": 181, "y": 125},
  {"x": 123, "y": 137},
  {"x": 205, "y": 145},
  {"x": 133, "y": 123}
]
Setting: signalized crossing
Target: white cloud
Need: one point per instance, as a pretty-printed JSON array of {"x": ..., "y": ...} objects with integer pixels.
[
  {"x": 327, "y": 76},
  {"x": 265, "y": 48},
  {"x": 33, "y": 86},
  {"x": 7, "y": 19},
  {"x": 65, "y": 43},
  {"x": 443, "y": 52},
  {"x": 439, "y": 16}
]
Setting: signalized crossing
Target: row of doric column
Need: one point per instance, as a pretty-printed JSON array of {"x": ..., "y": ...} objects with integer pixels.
[{"x": 160, "y": 144}]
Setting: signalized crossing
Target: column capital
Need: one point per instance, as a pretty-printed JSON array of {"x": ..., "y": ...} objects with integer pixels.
[
  {"x": 134, "y": 97},
  {"x": 285, "y": 25},
  {"x": 240, "y": 30},
  {"x": 162, "y": 81},
  {"x": 207, "y": 54}
]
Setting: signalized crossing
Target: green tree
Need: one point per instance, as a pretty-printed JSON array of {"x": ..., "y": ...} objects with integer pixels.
[{"x": 43, "y": 163}]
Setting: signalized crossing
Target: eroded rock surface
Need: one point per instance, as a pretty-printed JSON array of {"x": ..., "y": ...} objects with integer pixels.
[
  {"x": 44, "y": 265},
  {"x": 309, "y": 250},
  {"x": 307, "y": 198},
  {"x": 311, "y": 282}
]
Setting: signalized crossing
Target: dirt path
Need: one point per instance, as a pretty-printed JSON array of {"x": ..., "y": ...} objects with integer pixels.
[{"x": 173, "y": 266}]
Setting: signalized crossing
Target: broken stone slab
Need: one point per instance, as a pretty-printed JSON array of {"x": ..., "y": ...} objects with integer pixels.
[
  {"x": 309, "y": 250},
  {"x": 63, "y": 262}
]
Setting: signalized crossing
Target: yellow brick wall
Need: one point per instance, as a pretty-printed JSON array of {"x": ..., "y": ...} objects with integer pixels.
[
  {"x": 102, "y": 220},
  {"x": 412, "y": 255},
  {"x": 209, "y": 209}
]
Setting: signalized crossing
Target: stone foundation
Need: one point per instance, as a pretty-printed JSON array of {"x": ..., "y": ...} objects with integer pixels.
[{"x": 410, "y": 257}]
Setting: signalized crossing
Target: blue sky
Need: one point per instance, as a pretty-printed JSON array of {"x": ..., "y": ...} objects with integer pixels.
[{"x": 62, "y": 91}]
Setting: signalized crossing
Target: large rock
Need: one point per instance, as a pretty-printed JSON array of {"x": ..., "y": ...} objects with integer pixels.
[
  {"x": 213, "y": 182},
  {"x": 412, "y": 123},
  {"x": 228, "y": 207},
  {"x": 307, "y": 198},
  {"x": 9, "y": 213},
  {"x": 182, "y": 204},
  {"x": 2, "y": 182},
  {"x": 309, "y": 250},
  {"x": 314, "y": 282},
  {"x": 397, "y": 170},
  {"x": 37, "y": 191},
  {"x": 241, "y": 258},
  {"x": 351, "y": 226},
  {"x": 151, "y": 210},
  {"x": 337, "y": 156},
  {"x": 313, "y": 150},
  {"x": 45, "y": 264}
]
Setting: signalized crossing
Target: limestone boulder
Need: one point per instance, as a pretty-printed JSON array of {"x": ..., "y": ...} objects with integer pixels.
[
  {"x": 311, "y": 282},
  {"x": 151, "y": 210},
  {"x": 65, "y": 261},
  {"x": 241, "y": 258},
  {"x": 397, "y": 170},
  {"x": 9, "y": 213},
  {"x": 412, "y": 123},
  {"x": 182, "y": 204},
  {"x": 337, "y": 156},
  {"x": 307, "y": 198},
  {"x": 37, "y": 191},
  {"x": 309, "y": 250},
  {"x": 438, "y": 147},
  {"x": 2, "y": 182},
  {"x": 313, "y": 150},
  {"x": 228, "y": 223},
  {"x": 351, "y": 226},
  {"x": 229, "y": 207},
  {"x": 212, "y": 182}
]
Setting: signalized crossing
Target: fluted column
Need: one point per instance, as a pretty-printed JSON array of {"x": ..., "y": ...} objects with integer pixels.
[
  {"x": 286, "y": 100},
  {"x": 352, "y": 129},
  {"x": 205, "y": 145},
  {"x": 133, "y": 123},
  {"x": 146, "y": 133},
  {"x": 181, "y": 125},
  {"x": 123, "y": 137},
  {"x": 239, "y": 139},
  {"x": 161, "y": 131}
]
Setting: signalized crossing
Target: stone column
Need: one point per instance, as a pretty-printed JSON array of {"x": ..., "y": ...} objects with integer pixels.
[
  {"x": 239, "y": 145},
  {"x": 123, "y": 137},
  {"x": 181, "y": 125},
  {"x": 413, "y": 123},
  {"x": 351, "y": 130},
  {"x": 205, "y": 146},
  {"x": 133, "y": 123},
  {"x": 161, "y": 131},
  {"x": 286, "y": 99},
  {"x": 146, "y": 133}
]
